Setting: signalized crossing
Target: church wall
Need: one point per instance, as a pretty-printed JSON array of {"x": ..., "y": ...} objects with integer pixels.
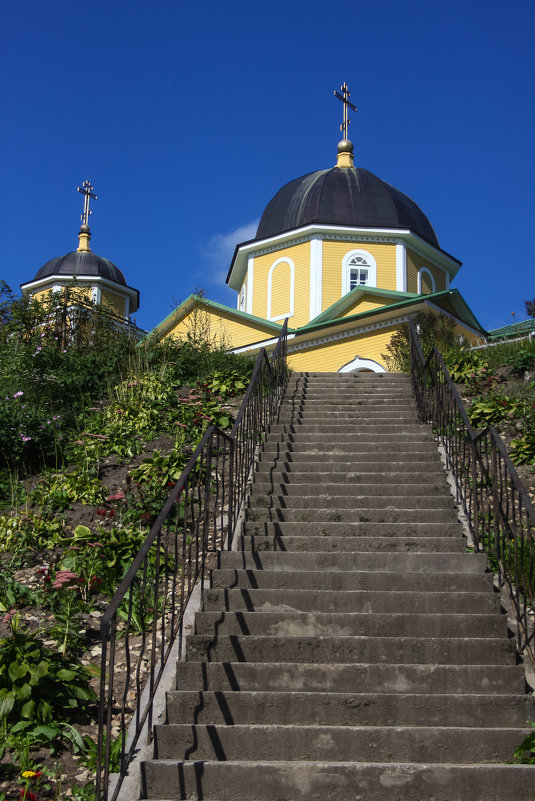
[
  {"x": 363, "y": 306},
  {"x": 217, "y": 328},
  {"x": 299, "y": 255},
  {"x": 331, "y": 356},
  {"x": 333, "y": 255},
  {"x": 414, "y": 263},
  {"x": 113, "y": 302}
]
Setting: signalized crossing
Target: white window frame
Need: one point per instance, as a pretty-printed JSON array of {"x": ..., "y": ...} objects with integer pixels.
[
  {"x": 431, "y": 276},
  {"x": 371, "y": 266},
  {"x": 290, "y": 312}
]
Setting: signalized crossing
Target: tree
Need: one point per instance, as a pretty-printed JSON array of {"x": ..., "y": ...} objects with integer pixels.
[{"x": 530, "y": 307}]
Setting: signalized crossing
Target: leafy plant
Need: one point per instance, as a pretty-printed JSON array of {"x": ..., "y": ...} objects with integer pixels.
[
  {"x": 57, "y": 491},
  {"x": 465, "y": 366},
  {"x": 41, "y": 692},
  {"x": 91, "y": 747},
  {"x": 492, "y": 409},
  {"x": 522, "y": 449},
  {"x": 525, "y": 753}
]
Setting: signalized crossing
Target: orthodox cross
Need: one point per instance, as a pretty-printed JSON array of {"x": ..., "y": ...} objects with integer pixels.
[
  {"x": 344, "y": 97},
  {"x": 86, "y": 190}
]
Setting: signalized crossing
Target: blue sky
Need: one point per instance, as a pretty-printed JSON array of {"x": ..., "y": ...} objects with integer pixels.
[{"x": 187, "y": 119}]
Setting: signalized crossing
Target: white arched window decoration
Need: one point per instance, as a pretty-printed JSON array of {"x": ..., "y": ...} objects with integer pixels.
[
  {"x": 358, "y": 269},
  {"x": 241, "y": 299},
  {"x": 358, "y": 365},
  {"x": 290, "y": 311},
  {"x": 421, "y": 272}
]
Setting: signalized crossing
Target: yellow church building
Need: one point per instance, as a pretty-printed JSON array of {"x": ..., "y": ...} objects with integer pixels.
[{"x": 346, "y": 259}]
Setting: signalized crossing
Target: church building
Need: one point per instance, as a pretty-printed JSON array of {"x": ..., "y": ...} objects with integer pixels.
[
  {"x": 95, "y": 277},
  {"x": 345, "y": 258}
]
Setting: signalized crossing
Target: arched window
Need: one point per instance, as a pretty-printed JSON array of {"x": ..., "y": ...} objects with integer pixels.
[
  {"x": 280, "y": 295},
  {"x": 426, "y": 282},
  {"x": 241, "y": 299},
  {"x": 358, "y": 269}
]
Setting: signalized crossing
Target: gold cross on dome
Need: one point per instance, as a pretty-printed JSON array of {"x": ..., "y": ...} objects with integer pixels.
[
  {"x": 87, "y": 191},
  {"x": 344, "y": 97}
]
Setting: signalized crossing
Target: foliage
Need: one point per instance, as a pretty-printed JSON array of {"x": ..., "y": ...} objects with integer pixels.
[
  {"x": 492, "y": 409},
  {"x": 13, "y": 593},
  {"x": 522, "y": 449},
  {"x": 20, "y": 532},
  {"x": 433, "y": 329},
  {"x": 57, "y": 491},
  {"x": 226, "y": 383},
  {"x": 522, "y": 361},
  {"x": 530, "y": 307},
  {"x": 41, "y": 692},
  {"x": 90, "y": 757},
  {"x": 525, "y": 753},
  {"x": 465, "y": 366},
  {"x": 52, "y": 361}
]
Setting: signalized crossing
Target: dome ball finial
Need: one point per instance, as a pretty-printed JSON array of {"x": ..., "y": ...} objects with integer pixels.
[{"x": 345, "y": 146}]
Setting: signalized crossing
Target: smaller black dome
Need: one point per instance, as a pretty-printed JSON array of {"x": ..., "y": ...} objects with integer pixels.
[{"x": 84, "y": 264}]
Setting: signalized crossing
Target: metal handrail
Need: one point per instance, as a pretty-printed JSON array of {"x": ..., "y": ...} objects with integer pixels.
[
  {"x": 497, "y": 507},
  {"x": 145, "y": 616}
]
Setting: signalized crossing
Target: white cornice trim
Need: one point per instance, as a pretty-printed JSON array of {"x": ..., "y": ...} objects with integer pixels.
[
  {"x": 87, "y": 280},
  {"x": 290, "y": 238}
]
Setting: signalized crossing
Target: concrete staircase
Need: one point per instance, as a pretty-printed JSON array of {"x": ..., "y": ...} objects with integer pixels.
[{"x": 350, "y": 649}]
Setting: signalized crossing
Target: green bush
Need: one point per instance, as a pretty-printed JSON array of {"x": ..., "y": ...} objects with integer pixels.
[{"x": 40, "y": 690}]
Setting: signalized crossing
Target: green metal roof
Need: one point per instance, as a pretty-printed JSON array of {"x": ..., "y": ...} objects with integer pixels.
[
  {"x": 184, "y": 307},
  {"x": 522, "y": 328}
]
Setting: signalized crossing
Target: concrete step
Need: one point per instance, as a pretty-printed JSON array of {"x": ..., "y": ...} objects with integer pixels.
[
  {"x": 393, "y": 443},
  {"x": 350, "y": 649},
  {"x": 336, "y": 743},
  {"x": 356, "y": 501},
  {"x": 351, "y": 624},
  {"x": 335, "y": 781},
  {"x": 350, "y": 709},
  {"x": 400, "y": 432},
  {"x": 288, "y": 470},
  {"x": 282, "y": 529},
  {"x": 386, "y": 601},
  {"x": 363, "y": 514},
  {"x": 330, "y": 544},
  {"x": 383, "y": 489},
  {"x": 297, "y": 577},
  {"x": 370, "y": 453},
  {"x": 493, "y": 680},
  {"x": 355, "y": 561}
]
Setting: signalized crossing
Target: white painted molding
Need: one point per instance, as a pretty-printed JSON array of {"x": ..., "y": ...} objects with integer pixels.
[
  {"x": 362, "y": 364},
  {"x": 431, "y": 276},
  {"x": 372, "y": 269},
  {"x": 316, "y": 277},
  {"x": 250, "y": 279},
  {"x": 401, "y": 266},
  {"x": 290, "y": 311}
]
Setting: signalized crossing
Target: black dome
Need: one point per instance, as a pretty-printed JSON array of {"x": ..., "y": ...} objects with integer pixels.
[
  {"x": 343, "y": 196},
  {"x": 82, "y": 264}
]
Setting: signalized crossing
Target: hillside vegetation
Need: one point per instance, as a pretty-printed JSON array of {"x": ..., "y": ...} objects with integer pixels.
[{"x": 94, "y": 431}]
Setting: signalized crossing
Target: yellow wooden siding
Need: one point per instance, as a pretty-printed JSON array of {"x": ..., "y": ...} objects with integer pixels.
[
  {"x": 218, "y": 329},
  {"x": 300, "y": 255},
  {"x": 366, "y": 304},
  {"x": 414, "y": 263},
  {"x": 280, "y": 290},
  {"x": 331, "y": 356},
  {"x": 113, "y": 302},
  {"x": 333, "y": 256}
]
